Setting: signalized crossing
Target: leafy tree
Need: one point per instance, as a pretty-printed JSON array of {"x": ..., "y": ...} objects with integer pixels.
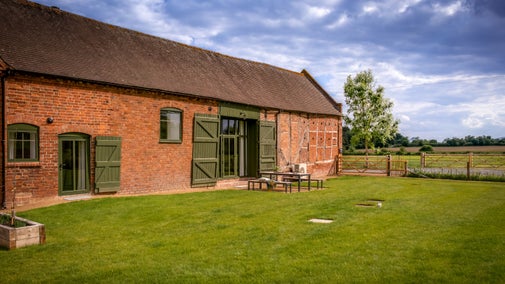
[
  {"x": 369, "y": 113},
  {"x": 416, "y": 141},
  {"x": 400, "y": 140},
  {"x": 346, "y": 137}
]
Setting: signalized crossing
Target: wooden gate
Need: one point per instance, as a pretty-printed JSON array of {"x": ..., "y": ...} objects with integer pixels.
[{"x": 373, "y": 165}]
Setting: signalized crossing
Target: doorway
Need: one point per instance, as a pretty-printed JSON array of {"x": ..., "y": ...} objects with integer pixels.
[
  {"x": 73, "y": 163},
  {"x": 236, "y": 153}
]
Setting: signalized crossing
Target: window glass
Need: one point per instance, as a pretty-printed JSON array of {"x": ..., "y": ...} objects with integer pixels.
[
  {"x": 22, "y": 142},
  {"x": 224, "y": 126},
  {"x": 229, "y": 126},
  {"x": 170, "y": 125}
]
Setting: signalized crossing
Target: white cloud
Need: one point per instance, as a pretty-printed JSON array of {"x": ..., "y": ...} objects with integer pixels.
[
  {"x": 473, "y": 122},
  {"x": 317, "y": 12},
  {"x": 442, "y": 13},
  {"x": 413, "y": 106},
  {"x": 342, "y": 20},
  {"x": 387, "y": 8},
  {"x": 485, "y": 111},
  {"x": 404, "y": 118},
  {"x": 404, "y": 5},
  {"x": 448, "y": 10},
  {"x": 370, "y": 8}
]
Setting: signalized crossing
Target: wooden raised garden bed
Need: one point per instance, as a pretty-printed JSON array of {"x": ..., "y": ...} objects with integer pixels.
[{"x": 24, "y": 233}]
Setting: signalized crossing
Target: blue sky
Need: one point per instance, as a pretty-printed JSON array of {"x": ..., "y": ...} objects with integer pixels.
[{"x": 442, "y": 62}]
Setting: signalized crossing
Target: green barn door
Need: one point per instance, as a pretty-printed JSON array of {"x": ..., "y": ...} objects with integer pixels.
[
  {"x": 267, "y": 146},
  {"x": 108, "y": 164},
  {"x": 205, "y": 150}
]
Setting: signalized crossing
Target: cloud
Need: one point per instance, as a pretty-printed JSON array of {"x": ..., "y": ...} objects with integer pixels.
[
  {"x": 493, "y": 7},
  {"x": 488, "y": 111},
  {"x": 314, "y": 12},
  {"x": 448, "y": 10},
  {"x": 404, "y": 118},
  {"x": 342, "y": 20},
  {"x": 370, "y": 8}
]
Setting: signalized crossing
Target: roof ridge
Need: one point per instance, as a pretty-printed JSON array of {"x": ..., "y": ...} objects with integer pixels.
[{"x": 54, "y": 9}]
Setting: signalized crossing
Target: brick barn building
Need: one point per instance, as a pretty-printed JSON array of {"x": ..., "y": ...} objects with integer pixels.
[{"x": 91, "y": 108}]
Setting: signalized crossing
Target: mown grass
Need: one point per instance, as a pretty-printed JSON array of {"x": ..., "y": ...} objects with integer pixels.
[{"x": 426, "y": 231}]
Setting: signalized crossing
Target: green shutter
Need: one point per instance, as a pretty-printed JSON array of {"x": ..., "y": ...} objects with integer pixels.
[
  {"x": 108, "y": 164},
  {"x": 267, "y": 145},
  {"x": 205, "y": 150}
]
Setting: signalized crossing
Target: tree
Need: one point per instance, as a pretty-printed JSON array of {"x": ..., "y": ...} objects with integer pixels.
[
  {"x": 400, "y": 140},
  {"x": 346, "y": 137},
  {"x": 369, "y": 113}
]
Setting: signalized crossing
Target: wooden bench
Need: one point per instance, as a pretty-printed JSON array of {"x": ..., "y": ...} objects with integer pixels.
[
  {"x": 273, "y": 183},
  {"x": 319, "y": 182}
]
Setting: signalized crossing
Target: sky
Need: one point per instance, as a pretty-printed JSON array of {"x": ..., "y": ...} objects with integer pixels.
[{"x": 441, "y": 62}]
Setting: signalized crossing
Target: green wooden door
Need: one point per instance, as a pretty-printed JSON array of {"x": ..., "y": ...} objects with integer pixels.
[
  {"x": 267, "y": 146},
  {"x": 108, "y": 164},
  {"x": 73, "y": 157},
  {"x": 205, "y": 150}
]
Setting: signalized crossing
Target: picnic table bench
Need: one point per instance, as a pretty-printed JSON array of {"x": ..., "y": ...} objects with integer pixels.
[
  {"x": 319, "y": 182},
  {"x": 269, "y": 183}
]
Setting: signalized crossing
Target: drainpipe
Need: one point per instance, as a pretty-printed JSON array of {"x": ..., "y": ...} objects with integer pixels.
[{"x": 4, "y": 152}]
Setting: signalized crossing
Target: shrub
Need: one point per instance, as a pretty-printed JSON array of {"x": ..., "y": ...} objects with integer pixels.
[
  {"x": 382, "y": 152},
  {"x": 426, "y": 148},
  {"x": 402, "y": 151}
]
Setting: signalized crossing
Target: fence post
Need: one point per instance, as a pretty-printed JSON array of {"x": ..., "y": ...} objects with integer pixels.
[
  {"x": 389, "y": 166},
  {"x": 405, "y": 168},
  {"x": 337, "y": 163},
  {"x": 468, "y": 165},
  {"x": 470, "y": 159},
  {"x": 423, "y": 159}
]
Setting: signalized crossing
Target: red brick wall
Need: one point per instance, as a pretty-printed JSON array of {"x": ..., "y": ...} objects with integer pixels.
[
  {"x": 2, "y": 203},
  {"x": 147, "y": 165}
]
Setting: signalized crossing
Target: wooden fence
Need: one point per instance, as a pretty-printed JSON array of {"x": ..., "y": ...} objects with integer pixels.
[
  {"x": 470, "y": 160},
  {"x": 467, "y": 164},
  {"x": 376, "y": 165}
]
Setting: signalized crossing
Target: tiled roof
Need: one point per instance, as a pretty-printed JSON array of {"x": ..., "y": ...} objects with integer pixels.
[{"x": 45, "y": 40}]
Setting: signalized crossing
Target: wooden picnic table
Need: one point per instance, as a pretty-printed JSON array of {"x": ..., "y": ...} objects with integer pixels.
[{"x": 297, "y": 176}]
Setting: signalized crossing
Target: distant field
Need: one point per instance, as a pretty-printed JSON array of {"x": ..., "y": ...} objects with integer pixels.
[{"x": 460, "y": 149}]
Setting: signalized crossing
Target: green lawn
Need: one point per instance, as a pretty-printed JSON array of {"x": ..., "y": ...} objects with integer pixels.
[{"x": 426, "y": 231}]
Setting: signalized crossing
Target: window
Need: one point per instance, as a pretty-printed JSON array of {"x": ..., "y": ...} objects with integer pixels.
[
  {"x": 170, "y": 125},
  {"x": 23, "y": 142}
]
